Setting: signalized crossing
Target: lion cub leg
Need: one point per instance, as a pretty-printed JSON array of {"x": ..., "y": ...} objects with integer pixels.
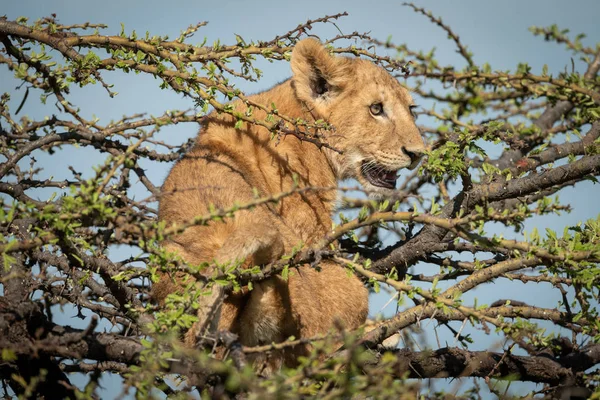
[
  {"x": 254, "y": 240},
  {"x": 323, "y": 299},
  {"x": 266, "y": 319}
]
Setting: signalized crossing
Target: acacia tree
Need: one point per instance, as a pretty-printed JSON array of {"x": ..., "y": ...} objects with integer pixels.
[{"x": 59, "y": 232}]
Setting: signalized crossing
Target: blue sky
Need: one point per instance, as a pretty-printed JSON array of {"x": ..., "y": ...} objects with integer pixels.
[{"x": 496, "y": 32}]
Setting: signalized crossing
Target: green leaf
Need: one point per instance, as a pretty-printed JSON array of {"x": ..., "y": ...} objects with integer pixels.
[{"x": 285, "y": 272}]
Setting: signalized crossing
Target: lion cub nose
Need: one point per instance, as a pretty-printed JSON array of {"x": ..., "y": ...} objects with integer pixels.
[{"x": 415, "y": 155}]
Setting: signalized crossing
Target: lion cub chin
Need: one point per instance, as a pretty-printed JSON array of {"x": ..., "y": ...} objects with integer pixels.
[{"x": 376, "y": 135}]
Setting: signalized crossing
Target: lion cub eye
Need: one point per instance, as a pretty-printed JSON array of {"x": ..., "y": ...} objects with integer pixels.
[{"x": 376, "y": 108}]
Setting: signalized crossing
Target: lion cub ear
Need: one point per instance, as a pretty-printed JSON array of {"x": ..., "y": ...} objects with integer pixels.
[{"x": 318, "y": 76}]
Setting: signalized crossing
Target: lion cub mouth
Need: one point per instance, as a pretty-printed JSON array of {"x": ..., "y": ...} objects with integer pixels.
[{"x": 377, "y": 175}]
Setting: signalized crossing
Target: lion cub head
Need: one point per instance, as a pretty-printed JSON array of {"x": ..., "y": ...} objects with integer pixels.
[{"x": 369, "y": 109}]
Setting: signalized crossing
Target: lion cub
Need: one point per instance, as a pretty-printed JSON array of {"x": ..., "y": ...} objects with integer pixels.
[{"x": 377, "y": 136}]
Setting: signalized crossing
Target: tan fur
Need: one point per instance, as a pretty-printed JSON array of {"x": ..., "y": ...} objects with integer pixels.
[{"x": 227, "y": 163}]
